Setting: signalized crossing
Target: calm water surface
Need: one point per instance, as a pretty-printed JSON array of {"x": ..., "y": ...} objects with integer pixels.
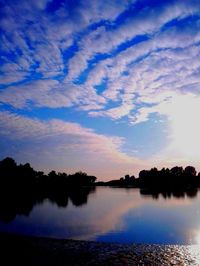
[{"x": 115, "y": 215}]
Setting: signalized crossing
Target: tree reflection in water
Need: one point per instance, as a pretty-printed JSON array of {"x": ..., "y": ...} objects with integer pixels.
[
  {"x": 21, "y": 187},
  {"x": 167, "y": 194}
]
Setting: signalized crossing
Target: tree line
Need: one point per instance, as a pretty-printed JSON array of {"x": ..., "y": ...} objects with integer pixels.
[
  {"x": 25, "y": 175},
  {"x": 176, "y": 178},
  {"x": 21, "y": 187}
]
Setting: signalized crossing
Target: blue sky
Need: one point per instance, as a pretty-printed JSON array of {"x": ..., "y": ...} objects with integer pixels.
[{"x": 107, "y": 87}]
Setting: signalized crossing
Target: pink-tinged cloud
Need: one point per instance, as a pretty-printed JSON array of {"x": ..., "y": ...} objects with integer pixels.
[{"x": 65, "y": 146}]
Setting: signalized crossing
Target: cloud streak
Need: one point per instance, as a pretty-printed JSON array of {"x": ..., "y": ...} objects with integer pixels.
[
  {"x": 118, "y": 61},
  {"x": 36, "y": 54},
  {"x": 67, "y": 144}
]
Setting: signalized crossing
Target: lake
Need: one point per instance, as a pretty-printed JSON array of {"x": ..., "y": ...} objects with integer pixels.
[{"x": 112, "y": 215}]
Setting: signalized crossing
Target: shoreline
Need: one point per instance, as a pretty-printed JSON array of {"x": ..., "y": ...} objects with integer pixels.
[{"x": 28, "y": 250}]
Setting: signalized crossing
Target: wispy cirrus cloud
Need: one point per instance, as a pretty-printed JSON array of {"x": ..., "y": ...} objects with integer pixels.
[
  {"x": 49, "y": 93},
  {"x": 148, "y": 21},
  {"x": 68, "y": 145},
  {"x": 116, "y": 60},
  {"x": 37, "y": 50}
]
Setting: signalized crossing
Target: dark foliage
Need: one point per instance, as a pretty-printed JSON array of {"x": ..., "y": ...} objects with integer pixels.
[
  {"x": 176, "y": 182},
  {"x": 175, "y": 178},
  {"x": 127, "y": 181},
  {"x": 21, "y": 187}
]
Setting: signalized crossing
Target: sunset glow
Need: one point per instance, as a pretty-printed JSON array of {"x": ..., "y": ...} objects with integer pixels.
[
  {"x": 185, "y": 126},
  {"x": 105, "y": 87}
]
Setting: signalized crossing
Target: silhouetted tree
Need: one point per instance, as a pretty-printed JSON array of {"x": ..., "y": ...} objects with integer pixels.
[
  {"x": 176, "y": 171},
  {"x": 21, "y": 187},
  {"x": 175, "y": 179},
  {"x": 190, "y": 170}
]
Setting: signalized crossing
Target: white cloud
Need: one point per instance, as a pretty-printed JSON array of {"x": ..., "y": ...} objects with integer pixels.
[
  {"x": 64, "y": 145},
  {"x": 39, "y": 39},
  {"x": 49, "y": 93},
  {"x": 147, "y": 21},
  {"x": 32, "y": 32},
  {"x": 117, "y": 112},
  {"x": 142, "y": 79}
]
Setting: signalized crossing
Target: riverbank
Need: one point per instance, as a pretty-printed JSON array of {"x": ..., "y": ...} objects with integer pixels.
[{"x": 22, "y": 250}]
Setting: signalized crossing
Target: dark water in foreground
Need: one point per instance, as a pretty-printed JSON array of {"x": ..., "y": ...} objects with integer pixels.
[{"x": 114, "y": 215}]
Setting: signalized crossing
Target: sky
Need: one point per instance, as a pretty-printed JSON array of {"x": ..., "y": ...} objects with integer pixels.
[{"x": 107, "y": 87}]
